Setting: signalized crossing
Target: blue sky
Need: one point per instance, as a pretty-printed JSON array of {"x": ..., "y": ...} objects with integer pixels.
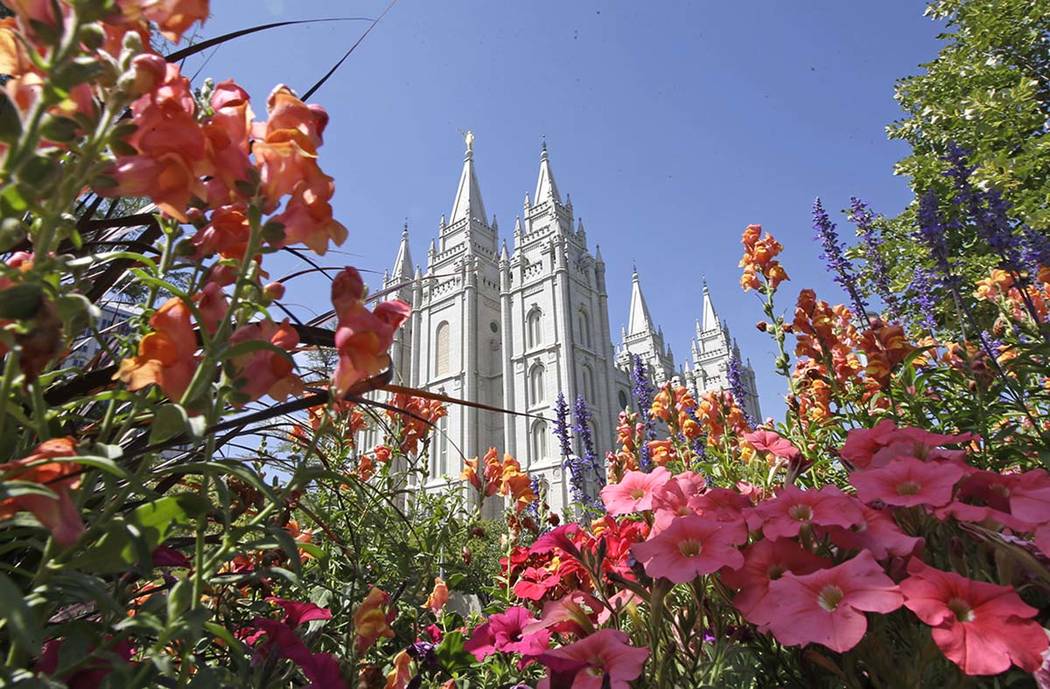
[{"x": 672, "y": 125}]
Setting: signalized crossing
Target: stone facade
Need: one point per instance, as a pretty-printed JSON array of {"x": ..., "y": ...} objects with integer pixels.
[{"x": 513, "y": 328}]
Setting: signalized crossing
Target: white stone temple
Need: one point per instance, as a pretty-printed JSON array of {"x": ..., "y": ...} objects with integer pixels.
[{"x": 512, "y": 326}]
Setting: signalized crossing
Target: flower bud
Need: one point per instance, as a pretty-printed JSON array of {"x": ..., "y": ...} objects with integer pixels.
[
  {"x": 274, "y": 291},
  {"x": 762, "y": 326},
  {"x": 145, "y": 73}
]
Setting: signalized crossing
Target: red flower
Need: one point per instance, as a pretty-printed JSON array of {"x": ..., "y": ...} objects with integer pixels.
[
  {"x": 264, "y": 371},
  {"x": 603, "y": 659},
  {"x": 574, "y": 613},
  {"x": 980, "y": 627},
  {"x": 785, "y": 515},
  {"x": 907, "y": 482},
  {"x": 766, "y": 561},
  {"x": 635, "y": 492},
  {"x": 828, "y": 606},
  {"x": 691, "y": 546},
  {"x": 299, "y": 612}
]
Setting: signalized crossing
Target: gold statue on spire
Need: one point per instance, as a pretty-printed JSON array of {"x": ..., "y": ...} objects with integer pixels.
[{"x": 468, "y": 138}]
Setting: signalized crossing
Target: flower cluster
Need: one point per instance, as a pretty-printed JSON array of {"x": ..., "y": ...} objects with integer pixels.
[
  {"x": 490, "y": 476},
  {"x": 761, "y": 269}
]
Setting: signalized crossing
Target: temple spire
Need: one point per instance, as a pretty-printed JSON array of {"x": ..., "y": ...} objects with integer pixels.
[
  {"x": 403, "y": 262},
  {"x": 468, "y": 203},
  {"x": 710, "y": 319},
  {"x": 639, "y": 320},
  {"x": 545, "y": 186}
]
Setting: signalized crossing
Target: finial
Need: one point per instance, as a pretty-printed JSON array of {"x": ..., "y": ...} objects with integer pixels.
[
  {"x": 703, "y": 279},
  {"x": 468, "y": 139},
  {"x": 404, "y": 229},
  {"x": 634, "y": 269},
  {"x": 543, "y": 149}
]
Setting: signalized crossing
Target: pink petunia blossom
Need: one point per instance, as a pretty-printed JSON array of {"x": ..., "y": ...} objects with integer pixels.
[
  {"x": 773, "y": 443},
  {"x": 827, "y": 607},
  {"x": 691, "y": 546},
  {"x": 1042, "y": 539},
  {"x": 635, "y": 492},
  {"x": 907, "y": 482},
  {"x": 574, "y": 613},
  {"x": 505, "y": 632},
  {"x": 603, "y": 659},
  {"x": 872, "y": 447},
  {"x": 298, "y": 612},
  {"x": 1030, "y": 497},
  {"x": 785, "y": 515},
  {"x": 980, "y": 627},
  {"x": 766, "y": 561},
  {"x": 721, "y": 505},
  {"x": 878, "y": 532}
]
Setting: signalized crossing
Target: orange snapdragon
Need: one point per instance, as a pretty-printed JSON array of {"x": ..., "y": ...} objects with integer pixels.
[
  {"x": 57, "y": 513},
  {"x": 167, "y": 355},
  {"x": 372, "y": 620},
  {"x": 264, "y": 371},
  {"x": 759, "y": 260}
]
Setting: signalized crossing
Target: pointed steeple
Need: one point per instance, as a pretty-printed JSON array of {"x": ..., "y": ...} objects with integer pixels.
[
  {"x": 403, "y": 263},
  {"x": 503, "y": 255},
  {"x": 545, "y": 186},
  {"x": 468, "y": 203},
  {"x": 638, "y": 320},
  {"x": 710, "y": 320}
]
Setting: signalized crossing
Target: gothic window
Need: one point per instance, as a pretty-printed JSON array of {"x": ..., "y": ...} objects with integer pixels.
[
  {"x": 441, "y": 349},
  {"x": 538, "y": 441},
  {"x": 439, "y": 451},
  {"x": 588, "y": 384},
  {"x": 534, "y": 328},
  {"x": 584, "y": 328},
  {"x": 536, "y": 385}
]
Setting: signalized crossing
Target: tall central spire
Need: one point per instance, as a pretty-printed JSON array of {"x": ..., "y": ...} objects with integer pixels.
[
  {"x": 468, "y": 203},
  {"x": 545, "y": 185},
  {"x": 639, "y": 320}
]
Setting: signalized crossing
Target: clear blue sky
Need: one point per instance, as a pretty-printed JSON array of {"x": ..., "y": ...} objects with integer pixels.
[{"x": 672, "y": 125}]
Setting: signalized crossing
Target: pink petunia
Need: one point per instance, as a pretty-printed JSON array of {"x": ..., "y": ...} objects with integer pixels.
[
  {"x": 980, "y": 627},
  {"x": 297, "y": 612},
  {"x": 773, "y": 443},
  {"x": 878, "y": 532},
  {"x": 691, "y": 546},
  {"x": 1030, "y": 497},
  {"x": 907, "y": 482},
  {"x": 766, "y": 561},
  {"x": 604, "y": 659},
  {"x": 827, "y": 607},
  {"x": 635, "y": 492},
  {"x": 505, "y": 632},
  {"x": 785, "y": 515},
  {"x": 721, "y": 505},
  {"x": 574, "y": 613},
  {"x": 1042, "y": 539},
  {"x": 872, "y": 447}
]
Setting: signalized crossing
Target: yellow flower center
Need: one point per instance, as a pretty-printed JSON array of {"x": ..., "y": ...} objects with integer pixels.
[
  {"x": 830, "y": 596},
  {"x": 802, "y": 513},
  {"x": 961, "y": 609},
  {"x": 690, "y": 548}
]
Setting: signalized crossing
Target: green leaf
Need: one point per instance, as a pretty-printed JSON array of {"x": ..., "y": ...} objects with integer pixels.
[
  {"x": 18, "y": 619},
  {"x": 169, "y": 421},
  {"x": 451, "y": 654},
  {"x": 133, "y": 538},
  {"x": 76, "y": 311}
]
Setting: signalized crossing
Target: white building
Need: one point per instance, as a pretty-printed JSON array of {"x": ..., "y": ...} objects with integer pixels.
[{"x": 512, "y": 328}]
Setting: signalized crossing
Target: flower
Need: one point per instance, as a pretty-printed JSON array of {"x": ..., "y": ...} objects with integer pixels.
[
  {"x": 876, "y": 446},
  {"x": 980, "y": 627},
  {"x": 505, "y": 632},
  {"x": 689, "y": 547},
  {"x": 264, "y": 371},
  {"x": 90, "y": 674},
  {"x": 363, "y": 337},
  {"x": 371, "y": 621},
  {"x": 827, "y": 606},
  {"x": 759, "y": 260},
  {"x": 400, "y": 676},
  {"x": 438, "y": 596},
  {"x": 172, "y": 17},
  {"x": 834, "y": 255},
  {"x": 766, "y": 561},
  {"x": 785, "y": 515},
  {"x": 299, "y": 612},
  {"x": 773, "y": 443},
  {"x": 602, "y": 660},
  {"x": 574, "y": 613},
  {"x": 58, "y": 513},
  {"x": 906, "y": 482},
  {"x": 166, "y": 355},
  {"x": 877, "y": 532},
  {"x": 1030, "y": 497},
  {"x": 635, "y": 492}
]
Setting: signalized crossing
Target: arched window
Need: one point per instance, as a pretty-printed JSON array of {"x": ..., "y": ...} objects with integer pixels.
[
  {"x": 538, "y": 442},
  {"x": 588, "y": 384},
  {"x": 534, "y": 328},
  {"x": 439, "y": 452},
  {"x": 584, "y": 325},
  {"x": 441, "y": 349},
  {"x": 537, "y": 391},
  {"x": 623, "y": 400}
]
